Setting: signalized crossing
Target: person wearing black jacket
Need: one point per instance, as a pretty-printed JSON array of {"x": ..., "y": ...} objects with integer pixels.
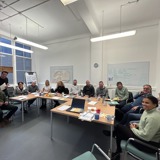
[{"x": 88, "y": 89}]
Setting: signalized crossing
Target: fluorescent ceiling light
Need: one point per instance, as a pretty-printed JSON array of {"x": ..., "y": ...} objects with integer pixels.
[
  {"x": 66, "y": 2},
  {"x": 15, "y": 47},
  {"x": 114, "y": 36},
  {"x": 30, "y": 43}
]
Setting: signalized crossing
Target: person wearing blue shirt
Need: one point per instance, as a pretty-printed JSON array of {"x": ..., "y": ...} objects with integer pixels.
[{"x": 147, "y": 89}]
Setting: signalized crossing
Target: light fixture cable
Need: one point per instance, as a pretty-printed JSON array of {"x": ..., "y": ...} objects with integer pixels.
[{"x": 120, "y": 34}]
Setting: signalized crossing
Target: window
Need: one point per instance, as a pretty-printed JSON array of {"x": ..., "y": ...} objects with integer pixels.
[
  {"x": 6, "y": 57},
  {"x": 5, "y": 49},
  {"x": 23, "y": 62}
]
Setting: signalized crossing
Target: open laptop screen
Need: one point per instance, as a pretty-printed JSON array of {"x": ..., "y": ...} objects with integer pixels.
[{"x": 77, "y": 105}]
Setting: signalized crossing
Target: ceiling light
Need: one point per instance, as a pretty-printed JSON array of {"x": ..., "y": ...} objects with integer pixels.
[
  {"x": 119, "y": 34},
  {"x": 15, "y": 47},
  {"x": 66, "y": 2},
  {"x": 114, "y": 36},
  {"x": 30, "y": 43}
]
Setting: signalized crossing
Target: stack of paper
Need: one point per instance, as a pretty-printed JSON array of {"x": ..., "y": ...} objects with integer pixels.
[
  {"x": 87, "y": 116},
  {"x": 3, "y": 87},
  {"x": 112, "y": 103},
  {"x": 92, "y": 103}
]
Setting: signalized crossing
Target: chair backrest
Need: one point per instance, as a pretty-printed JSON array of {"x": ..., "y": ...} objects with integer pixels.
[
  {"x": 135, "y": 152},
  {"x": 89, "y": 154},
  {"x": 10, "y": 91},
  {"x": 130, "y": 98},
  {"x": 66, "y": 91}
]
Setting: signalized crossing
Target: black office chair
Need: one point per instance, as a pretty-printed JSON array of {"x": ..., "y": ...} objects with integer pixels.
[
  {"x": 10, "y": 91},
  {"x": 66, "y": 91},
  {"x": 130, "y": 98}
]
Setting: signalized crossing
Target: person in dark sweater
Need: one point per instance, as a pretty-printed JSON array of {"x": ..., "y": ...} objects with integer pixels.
[
  {"x": 88, "y": 89},
  {"x": 4, "y": 81}
]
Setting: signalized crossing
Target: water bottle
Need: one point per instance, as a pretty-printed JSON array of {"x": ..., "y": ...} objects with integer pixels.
[{"x": 103, "y": 98}]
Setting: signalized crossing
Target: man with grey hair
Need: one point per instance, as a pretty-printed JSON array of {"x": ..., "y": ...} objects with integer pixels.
[{"x": 32, "y": 88}]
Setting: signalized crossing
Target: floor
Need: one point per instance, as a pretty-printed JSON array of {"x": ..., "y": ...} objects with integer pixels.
[{"x": 31, "y": 140}]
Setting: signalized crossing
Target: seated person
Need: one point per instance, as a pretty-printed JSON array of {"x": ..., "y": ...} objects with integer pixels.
[
  {"x": 88, "y": 89},
  {"x": 121, "y": 94},
  {"x": 31, "y": 89},
  {"x": 147, "y": 89},
  {"x": 4, "y": 105},
  {"x": 4, "y": 80},
  {"x": 59, "y": 90},
  {"x": 102, "y": 91},
  {"x": 46, "y": 89},
  {"x": 148, "y": 129},
  {"x": 21, "y": 90},
  {"x": 74, "y": 88}
]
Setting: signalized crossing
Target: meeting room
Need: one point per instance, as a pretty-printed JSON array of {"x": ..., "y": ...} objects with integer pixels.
[{"x": 79, "y": 79}]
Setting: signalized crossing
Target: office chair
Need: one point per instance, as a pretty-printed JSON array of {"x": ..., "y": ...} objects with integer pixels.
[
  {"x": 89, "y": 154},
  {"x": 130, "y": 98},
  {"x": 138, "y": 154}
]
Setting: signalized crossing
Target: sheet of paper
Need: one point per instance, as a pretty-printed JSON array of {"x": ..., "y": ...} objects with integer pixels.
[
  {"x": 92, "y": 103},
  {"x": 22, "y": 97},
  {"x": 87, "y": 116},
  {"x": 63, "y": 108},
  {"x": 92, "y": 108},
  {"x": 56, "y": 97},
  {"x": 3, "y": 86}
]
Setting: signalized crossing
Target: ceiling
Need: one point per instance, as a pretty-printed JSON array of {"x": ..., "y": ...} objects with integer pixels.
[{"x": 46, "y": 20}]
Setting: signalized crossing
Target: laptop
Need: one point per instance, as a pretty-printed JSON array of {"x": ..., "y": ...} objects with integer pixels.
[{"x": 77, "y": 105}]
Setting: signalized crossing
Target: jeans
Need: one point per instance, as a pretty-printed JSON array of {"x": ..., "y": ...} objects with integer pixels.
[{"x": 130, "y": 116}]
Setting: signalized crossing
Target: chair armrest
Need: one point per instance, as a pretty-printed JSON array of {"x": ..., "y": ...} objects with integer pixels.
[
  {"x": 142, "y": 143},
  {"x": 104, "y": 154}
]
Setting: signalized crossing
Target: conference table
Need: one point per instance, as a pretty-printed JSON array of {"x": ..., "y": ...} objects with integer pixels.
[
  {"x": 24, "y": 98},
  {"x": 105, "y": 109}
]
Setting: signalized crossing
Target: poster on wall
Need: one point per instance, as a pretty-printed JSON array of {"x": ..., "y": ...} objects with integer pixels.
[
  {"x": 30, "y": 77},
  {"x": 61, "y": 73}
]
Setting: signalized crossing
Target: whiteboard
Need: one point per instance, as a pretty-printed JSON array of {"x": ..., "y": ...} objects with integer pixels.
[
  {"x": 130, "y": 74},
  {"x": 30, "y": 77}
]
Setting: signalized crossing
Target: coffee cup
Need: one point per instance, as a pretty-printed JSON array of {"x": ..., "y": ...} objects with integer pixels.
[
  {"x": 109, "y": 118},
  {"x": 98, "y": 111},
  {"x": 96, "y": 116}
]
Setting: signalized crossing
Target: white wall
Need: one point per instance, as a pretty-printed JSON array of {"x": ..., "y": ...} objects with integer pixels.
[
  {"x": 82, "y": 55},
  {"x": 70, "y": 52}
]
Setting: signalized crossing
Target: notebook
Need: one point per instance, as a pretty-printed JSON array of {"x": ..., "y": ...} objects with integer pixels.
[{"x": 77, "y": 105}]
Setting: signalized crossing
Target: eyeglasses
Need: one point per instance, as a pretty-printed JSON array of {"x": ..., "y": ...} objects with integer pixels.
[{"x": 146, "y": 88}]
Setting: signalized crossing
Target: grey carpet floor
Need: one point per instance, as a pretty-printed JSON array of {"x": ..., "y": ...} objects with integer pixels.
[{"x": 31, "y": 140}]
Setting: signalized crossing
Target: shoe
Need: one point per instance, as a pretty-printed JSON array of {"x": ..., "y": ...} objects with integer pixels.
[
  {"x": 115, "y": 156},
  {"x": 24, "y": 110},
  {"x": 43, "y": 107}
]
